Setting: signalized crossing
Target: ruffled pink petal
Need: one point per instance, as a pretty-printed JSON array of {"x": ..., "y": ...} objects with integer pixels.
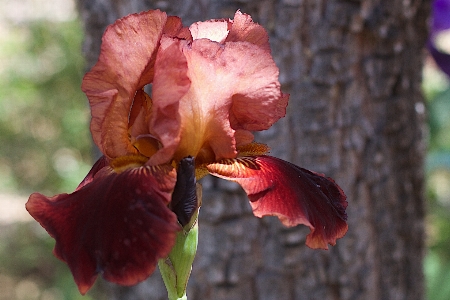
[
  {"x": 240, "y": 29},
  {"x": 233, "y": 87},
  {"x": 124, "y": 66},
  {"x": 139, "y": 115},
  {"x": 244, "y": 30},
  {"x": 243, "y": 137},
  {"x": 170, "y": 85},
  {"x": 118, "y": 224},
  {"x": 174, "y": 27},
  {"x": 213, "y": 30},
  {"x": 294, "y": 195}
]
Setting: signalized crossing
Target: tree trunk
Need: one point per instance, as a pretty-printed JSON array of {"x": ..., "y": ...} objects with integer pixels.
[{"x": 356, "y": 113}]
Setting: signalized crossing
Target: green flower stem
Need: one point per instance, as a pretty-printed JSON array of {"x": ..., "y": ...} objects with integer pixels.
[{"x": 176, "y": 268}]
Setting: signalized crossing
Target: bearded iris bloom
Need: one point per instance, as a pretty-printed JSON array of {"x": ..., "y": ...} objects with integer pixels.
[{"x": 212, "y": 84}]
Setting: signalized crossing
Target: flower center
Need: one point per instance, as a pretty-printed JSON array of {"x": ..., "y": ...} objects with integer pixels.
[
  {"x": 147, "y": 145},
  {"x": 126, "y": 162}
]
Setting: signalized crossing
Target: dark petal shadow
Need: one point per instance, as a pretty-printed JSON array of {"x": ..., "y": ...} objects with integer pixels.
[{"x": 184, "y": 197}]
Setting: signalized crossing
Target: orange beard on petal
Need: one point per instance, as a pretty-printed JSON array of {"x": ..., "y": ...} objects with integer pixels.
[{"x": 123, "y": 163}]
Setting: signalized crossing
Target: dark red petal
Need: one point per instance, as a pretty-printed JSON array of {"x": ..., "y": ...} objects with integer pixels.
[
  {"x": 118, "y": 225},
  {"x": 99, "y": 164},
  {"x": 293, "y": 194}
]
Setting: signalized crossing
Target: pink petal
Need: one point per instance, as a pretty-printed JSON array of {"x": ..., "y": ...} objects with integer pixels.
[
  {"x": 240, "y": 29},
  {"x": 118, "y": 224},
  {"x": 139, "y": 115},
  {"x": 243, "y": 137},
  {"x": 174, "y": 28},
  {"x": 124, "y": 66},
  {"x": 170, "y": 85},
  {"x": 244, "y": 30},
  {"x": 294, "y": 195},
  {"x": 213, "y": 30},
  {"x": 233, "y": 87}
]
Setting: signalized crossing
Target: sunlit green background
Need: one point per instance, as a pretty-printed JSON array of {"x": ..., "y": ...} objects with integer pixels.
[
  {"x": 45, "y": 143},
  {"x": 45, "y": 146}
]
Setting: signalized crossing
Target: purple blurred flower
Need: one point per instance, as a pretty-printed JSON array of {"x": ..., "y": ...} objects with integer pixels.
[{"x": 440, "y": 22}]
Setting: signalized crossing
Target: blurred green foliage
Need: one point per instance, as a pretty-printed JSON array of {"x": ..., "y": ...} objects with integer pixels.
[
  {"x": 436, "y": 88},
  {"x": 46, "y": 144},
  {"x": 28, "y": 269}
]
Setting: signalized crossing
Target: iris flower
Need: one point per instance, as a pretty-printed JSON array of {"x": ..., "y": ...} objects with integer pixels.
[{"x": 212, "y": 85}]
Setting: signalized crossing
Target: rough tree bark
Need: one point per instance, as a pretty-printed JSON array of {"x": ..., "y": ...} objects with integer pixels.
[{"x": 356, "y": 113}]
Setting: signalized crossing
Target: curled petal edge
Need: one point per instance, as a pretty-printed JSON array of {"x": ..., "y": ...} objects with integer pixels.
[
  {"x": 293, "y": 194},
  {"x": 112, "y": 82}
]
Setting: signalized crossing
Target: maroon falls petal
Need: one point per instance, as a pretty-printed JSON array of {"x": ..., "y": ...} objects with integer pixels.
[
  {"x": 118, "y": 224},
  {"x": 293, "y": 194},
  {"x": 99, "y": 164}
]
